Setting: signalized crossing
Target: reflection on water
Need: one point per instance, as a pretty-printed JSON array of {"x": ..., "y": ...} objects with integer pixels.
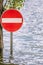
[{"x": 28, "y": 41}]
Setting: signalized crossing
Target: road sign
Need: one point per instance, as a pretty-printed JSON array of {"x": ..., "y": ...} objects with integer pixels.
[{"x": 12, "y": 20}]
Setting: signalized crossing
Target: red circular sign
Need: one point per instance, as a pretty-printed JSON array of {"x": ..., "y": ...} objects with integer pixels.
[{"x": 12, "y": 20}]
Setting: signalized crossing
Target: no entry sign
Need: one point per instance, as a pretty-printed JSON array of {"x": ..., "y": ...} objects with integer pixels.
[{"x": 12, "y": 20}]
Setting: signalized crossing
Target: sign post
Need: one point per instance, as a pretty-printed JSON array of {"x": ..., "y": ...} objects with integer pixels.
[
  {"x": 11, "y": 47},
  {"x": 11, "y": 44},
  {"x": 12, "y": 21}
]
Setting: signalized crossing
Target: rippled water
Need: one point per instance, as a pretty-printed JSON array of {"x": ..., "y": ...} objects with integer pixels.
[{"x": 28, "y": 41}]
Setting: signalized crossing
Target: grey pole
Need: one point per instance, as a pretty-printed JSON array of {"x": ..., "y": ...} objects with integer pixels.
[
  {"x": 11, "y": 44},
  {"x": 11, "y": 47}
]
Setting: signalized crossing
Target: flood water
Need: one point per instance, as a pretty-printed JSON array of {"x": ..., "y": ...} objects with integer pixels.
[{"x": 27, "y": 41}]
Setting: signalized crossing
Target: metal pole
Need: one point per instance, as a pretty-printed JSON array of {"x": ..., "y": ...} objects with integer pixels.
[
  {"x": 11, "y": 47},
  {"x": 11, "y": 44}
]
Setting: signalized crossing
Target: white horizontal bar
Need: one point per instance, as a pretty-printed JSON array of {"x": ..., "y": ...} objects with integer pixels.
[{"x": 11, "y": 20}]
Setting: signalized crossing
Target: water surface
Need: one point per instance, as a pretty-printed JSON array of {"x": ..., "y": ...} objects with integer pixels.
[{"x": 28, "y": 41}]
